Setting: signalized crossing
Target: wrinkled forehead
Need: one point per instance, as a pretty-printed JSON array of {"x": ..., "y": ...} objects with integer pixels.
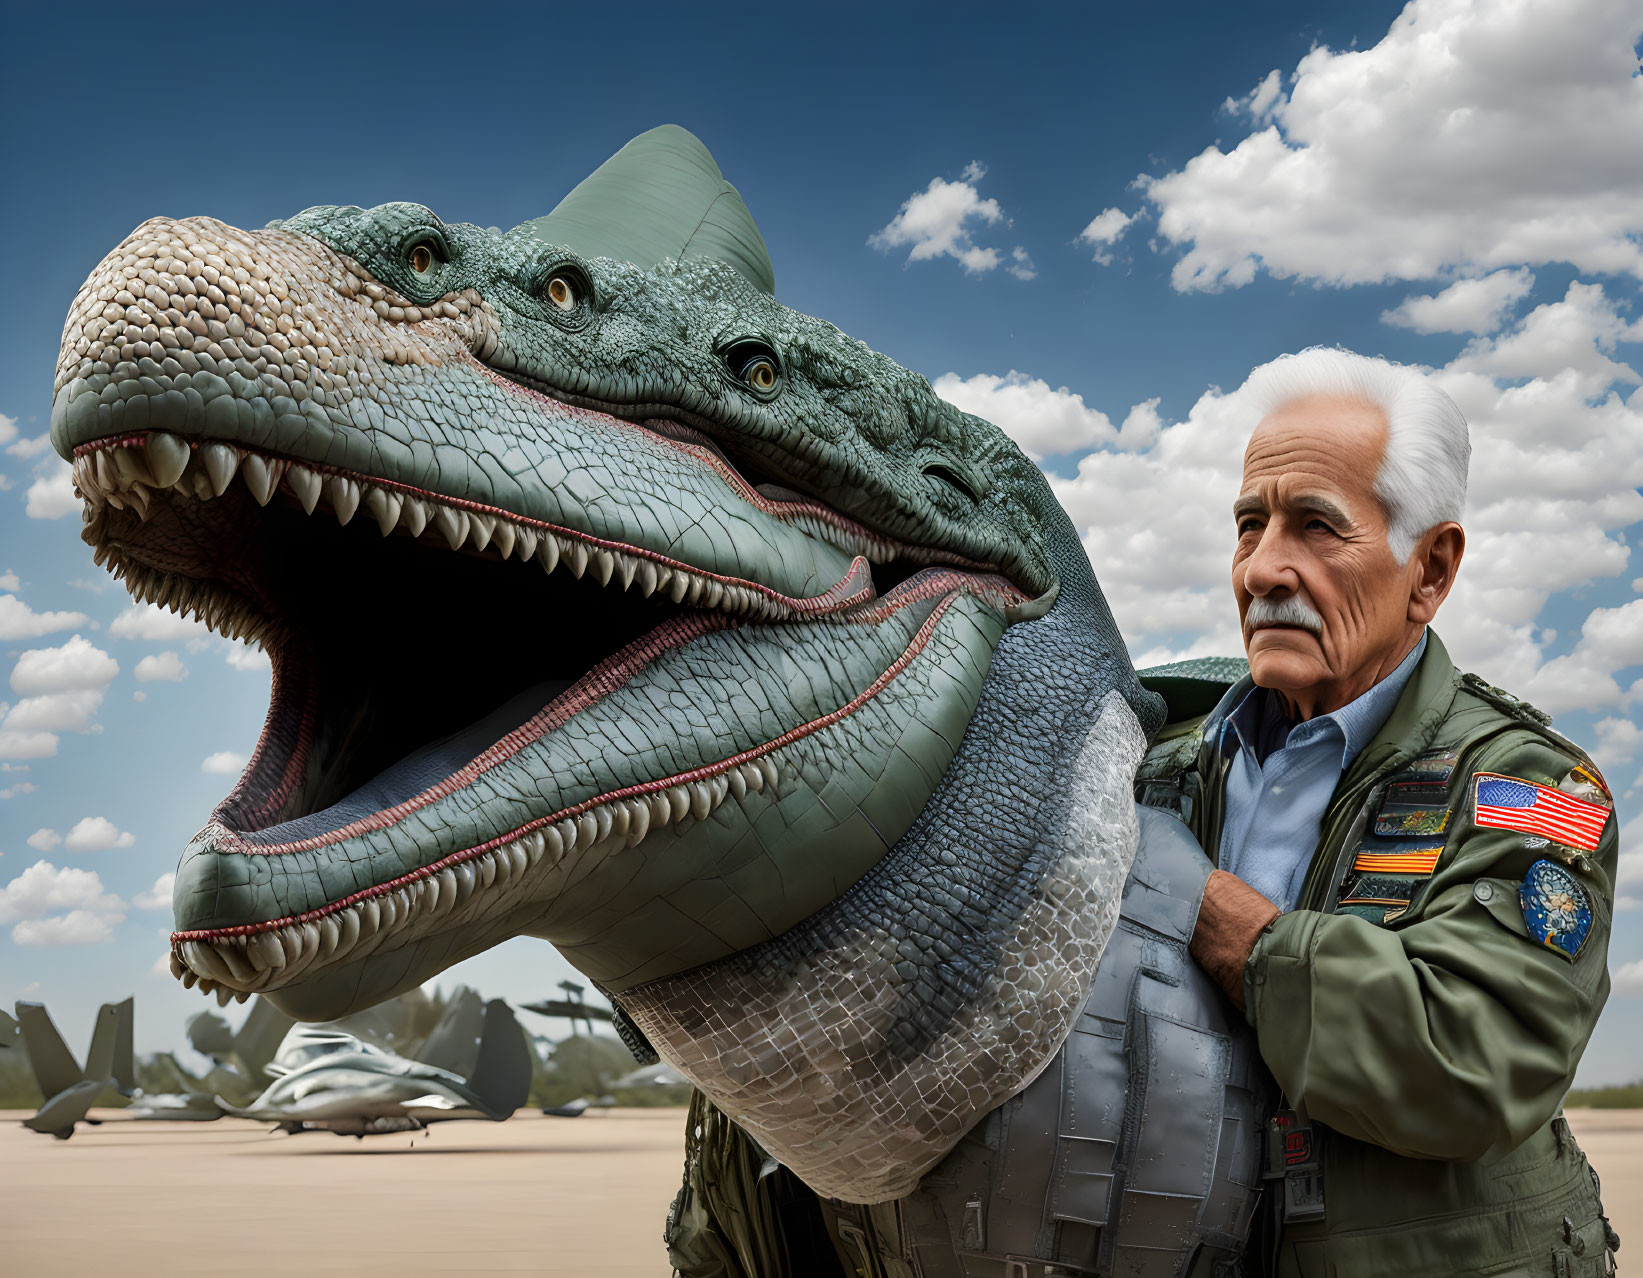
[{"x": 1327, "y": 441}]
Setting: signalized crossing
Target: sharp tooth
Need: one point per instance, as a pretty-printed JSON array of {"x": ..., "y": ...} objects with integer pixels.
[
  {"x": 504, "y": 867},
  {"x": 576, "y": 557},
  {"x": 167, "y": 458},
  {"x": 525, "y": 540},
  {"x": 719, "y": 788},
  {"x": 771, "y": 776},
  {"x": 189, "y": 979},
  {"x": 587, "y": 830},
  {"x": 626, "y": 566},
  {"x": 661, "y": 810},
  {"x": 555, "y": 843},
  {"x": 205, "y": 960},
  {"x": 534, "y": 846},
  {"x": 451, "y": 525},
  {"x": 701, "y": 800},
  {"x": 638, "y": 821},
  {"x": 384, "y": 507},
  {"x": 131, "y": 467},
  {"x": 737, "y": 783},
  {"x": 567, "y": 834},
  {"x": 486, "y": 870},
  {"x": 221, "y": 462},
  {"x": 254, "y": 471},
  {"x": 429, "y": 892},
  {"x": 224, "y": 995},
  {"x": 678, "y": 586},
  {"x": 754, "y": 776},
  {"x": 330, "y": 935},
  {"x": 679, "y": 801},
  {"x": 291, "y": 941},
  {"x": 463, "y": 876},
  {"x": 267, "y": 952},
  {"x": 480, "y": 529},
  {"x": 138, "y": 497},
  {"x": 620, "y": 818},
  {"x": 370, "y": 916},
  {"x": 647, "y": 577},
  {"x": 415, "y": 516},
  {"x": 604, "y": 564},
  {"x": 108, "y": 478},
  {"x": 344, "y": 494},
  {"x": 603, "y": 820},
  {"x": 447, "y": 887},
  {"x": 712, "y": 593},
  {"x": 517, "y": 859},
  {"x": 502, "y": 538},
  {"x": 178, "y": 967},
  {"x": 306, "y": 485},
  {"x": 548, "y": 555}
]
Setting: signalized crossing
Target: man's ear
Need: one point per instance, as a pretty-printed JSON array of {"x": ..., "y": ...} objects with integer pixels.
[{"x": 1436, "y": 560}]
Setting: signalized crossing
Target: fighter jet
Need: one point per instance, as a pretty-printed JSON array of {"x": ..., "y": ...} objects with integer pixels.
[
  {"x": 329, "y": 1080},
  {"x": 238, "y": 1066},
  {"x": 107, "y": 1079}
]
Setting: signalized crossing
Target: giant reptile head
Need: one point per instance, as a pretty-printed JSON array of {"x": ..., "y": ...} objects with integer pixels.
[{"x": 614, "y": 603}]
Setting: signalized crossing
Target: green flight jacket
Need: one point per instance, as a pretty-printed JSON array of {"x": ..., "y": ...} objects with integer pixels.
[{"x": 1413, "y": 1018}]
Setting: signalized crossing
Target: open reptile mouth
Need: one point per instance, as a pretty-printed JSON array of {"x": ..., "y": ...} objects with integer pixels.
[{"x": 417, "y": 639}]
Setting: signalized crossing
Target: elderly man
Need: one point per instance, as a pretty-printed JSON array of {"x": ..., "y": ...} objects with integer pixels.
[{"x": 1415, "y": 872}]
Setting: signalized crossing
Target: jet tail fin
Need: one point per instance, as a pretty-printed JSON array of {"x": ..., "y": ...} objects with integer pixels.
[
  {"x": 110, "y": 1056},
  {"x": 260, "y": 1037},
  {"x": 502, "y": 1073},
  {"x": 454, "y": 1043},
  {"x": 55, "y": 1068}
]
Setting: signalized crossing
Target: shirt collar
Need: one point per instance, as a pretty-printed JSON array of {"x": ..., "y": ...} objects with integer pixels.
[{"x": 1259, "y": 724}]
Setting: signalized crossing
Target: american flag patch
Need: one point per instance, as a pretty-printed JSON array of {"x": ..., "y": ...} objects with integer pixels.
[{"x": 1509, "y": 803}]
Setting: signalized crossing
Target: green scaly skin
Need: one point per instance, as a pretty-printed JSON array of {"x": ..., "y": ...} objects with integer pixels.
[{"x": 772, "y": 597}]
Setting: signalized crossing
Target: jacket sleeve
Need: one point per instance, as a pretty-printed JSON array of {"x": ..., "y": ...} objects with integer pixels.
[{"x": 1451, "y": 1033}]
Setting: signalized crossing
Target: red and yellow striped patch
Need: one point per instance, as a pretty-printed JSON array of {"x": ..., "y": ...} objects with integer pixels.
[{"x": 1414, "y": 861}]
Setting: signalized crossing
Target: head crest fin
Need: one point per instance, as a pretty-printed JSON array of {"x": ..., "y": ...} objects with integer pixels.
[{"x": 660, "y": 196}]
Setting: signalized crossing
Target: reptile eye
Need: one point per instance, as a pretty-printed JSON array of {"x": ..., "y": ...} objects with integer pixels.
[
  {"x": 562, "y": 293},
  {"x": 752, "y": 363},
  {"x": 422, "y": 258}
]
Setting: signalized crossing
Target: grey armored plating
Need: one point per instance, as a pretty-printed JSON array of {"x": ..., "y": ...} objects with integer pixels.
[{"x": 614, "y": 603}]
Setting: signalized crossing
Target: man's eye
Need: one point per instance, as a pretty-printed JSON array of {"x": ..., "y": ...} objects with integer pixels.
[
  {"x": 1320, "y": 525},
  {"x": 1248, "y": 525}
]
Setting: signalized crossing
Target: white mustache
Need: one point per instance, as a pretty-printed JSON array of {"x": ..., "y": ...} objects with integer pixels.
[{"x": 1283, "y": 612}]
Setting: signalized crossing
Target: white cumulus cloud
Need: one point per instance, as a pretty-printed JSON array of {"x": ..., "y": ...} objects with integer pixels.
[
  {"x": 61, "y": 690},
  {"x": 940, "y": 221},
  {"x": 52, "y": 905},
  {"x": 96, "y": 834},
  {"x": 19, "y": 621},
  {"x": 157, "y": 897},
  {"x": 162, "y": 667},
  {"x": 1106, "y": 228},
  {"x": 9, "y": 580},
  {"x": 51, "y": 495},
  {"x": 1472, "y": 136},
  {"x": 1467, "y": 306},
  {"x": 44, "y": 840},
  {"x": 225, "y": 762},
  {"x": 150, "y": 621}
]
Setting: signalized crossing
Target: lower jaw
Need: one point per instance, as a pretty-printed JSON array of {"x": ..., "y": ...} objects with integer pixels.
[{"x": 397, "y": 933}]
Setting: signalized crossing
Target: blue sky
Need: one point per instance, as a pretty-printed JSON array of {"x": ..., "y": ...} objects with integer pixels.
[{"x": 1086, "y": 223}]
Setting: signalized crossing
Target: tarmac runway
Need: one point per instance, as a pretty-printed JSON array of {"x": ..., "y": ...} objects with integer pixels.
[{"x": 558, "y": 1197}]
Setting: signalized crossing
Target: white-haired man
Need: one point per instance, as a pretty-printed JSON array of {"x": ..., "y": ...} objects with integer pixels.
[{"x": 1414, "y": 872}]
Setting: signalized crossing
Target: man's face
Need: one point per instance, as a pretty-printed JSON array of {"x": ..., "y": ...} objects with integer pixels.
[{"x": 1311, "y": 532}]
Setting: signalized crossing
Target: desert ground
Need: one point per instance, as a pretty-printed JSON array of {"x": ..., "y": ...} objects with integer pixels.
[{"x": 582, "y": 1196}]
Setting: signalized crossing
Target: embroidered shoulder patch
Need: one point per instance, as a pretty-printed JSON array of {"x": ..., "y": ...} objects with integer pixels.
[
  {"x": 1511, "y": 803},
  {"x": 1555, "y": 907},
  {"x": 1402, "y": 822},
  {"x": 1586, "y": 782}
]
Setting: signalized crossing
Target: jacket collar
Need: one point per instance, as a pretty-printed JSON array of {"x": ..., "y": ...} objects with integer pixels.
[{"x": 1410, "y": 729}]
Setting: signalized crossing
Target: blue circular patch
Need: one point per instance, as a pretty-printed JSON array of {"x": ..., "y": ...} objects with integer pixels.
[{"x": 1556, "y": 907}]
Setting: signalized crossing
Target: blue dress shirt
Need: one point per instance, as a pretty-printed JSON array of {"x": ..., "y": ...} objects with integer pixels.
[{"x": 1282, "y": 775}]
